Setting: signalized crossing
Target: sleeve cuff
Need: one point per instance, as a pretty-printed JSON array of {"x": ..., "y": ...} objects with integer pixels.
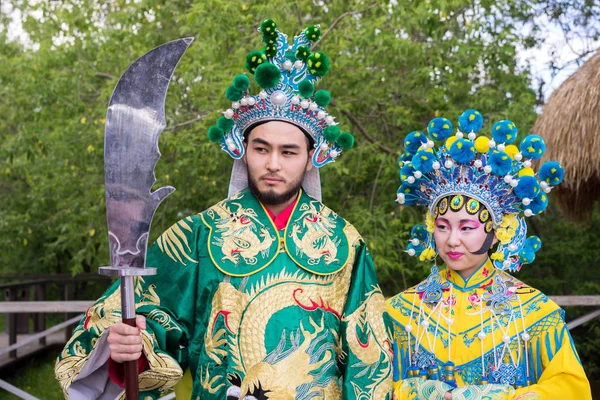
[{"x": 116, "y": 371}]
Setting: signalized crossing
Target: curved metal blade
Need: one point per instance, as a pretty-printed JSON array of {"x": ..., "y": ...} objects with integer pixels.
[{"x": 134, "y": 122}]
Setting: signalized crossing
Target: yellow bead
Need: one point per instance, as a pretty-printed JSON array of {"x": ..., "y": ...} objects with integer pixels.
[
  {"x": 511, "y": 150},
  {"x": 526, "y": 172},
  {"x": 449, "y": 142},
  {"x": 481, "y": 144}
]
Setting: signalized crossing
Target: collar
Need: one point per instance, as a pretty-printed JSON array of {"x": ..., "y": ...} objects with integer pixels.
[
  {"x": 280, "y": 220},
  {"x": 481, "y": 276}
]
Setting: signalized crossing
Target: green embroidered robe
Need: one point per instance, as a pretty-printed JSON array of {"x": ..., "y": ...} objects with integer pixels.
[{"x": 247, "y": 310}]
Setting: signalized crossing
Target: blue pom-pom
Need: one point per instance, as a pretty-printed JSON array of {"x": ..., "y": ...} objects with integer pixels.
[
  {"x": 413, "y": 141},
  {"x": 462, "y": 151},
  {"x": 500, "y": 162},
  {"x": 528, "y": 187},
  {"x": 532, "y": 147},
  {"x": 552, "y": 173},
  {"x": 409, "y": 197},
  {"x": 418, "y": 248},
  {"x": 470, "y": 121},
  {"x": 534, "y": 243},
  {"x": 423, "y": 161},
  {"x": 539, "y": 204},
  {"x": 504, "y": 132},
  {"x": 404, "y": 158},
  {"x": 419, "y": 232},
  {"x": 407, "y": 171},
  {"x": 526, "y": 255},
  {"x": 439, "y": 129}
]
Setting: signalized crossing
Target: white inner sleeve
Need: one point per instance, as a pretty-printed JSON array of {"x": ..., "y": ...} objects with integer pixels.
[{"x": 93, "y": 381}]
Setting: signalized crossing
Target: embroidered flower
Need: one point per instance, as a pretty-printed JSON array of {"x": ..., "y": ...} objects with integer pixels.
[
  {"x": 427, "y": 254},
  {"x": 450, "y": 300},
  {"x": 473, "y": 298},
  {"x": 429, "y": 222},
  {"x": 507, "y": 229},
  {"x": 487, "y": 285},
  {"x": 485, "y": 272}
]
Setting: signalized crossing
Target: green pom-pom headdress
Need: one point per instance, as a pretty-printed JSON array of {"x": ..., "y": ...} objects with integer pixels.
[{"x": 286, "y": 75}]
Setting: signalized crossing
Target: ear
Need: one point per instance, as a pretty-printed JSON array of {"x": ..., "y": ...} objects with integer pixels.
[
  {"x": 245, "y": 144},
  {"x": 309, "y": 163}
]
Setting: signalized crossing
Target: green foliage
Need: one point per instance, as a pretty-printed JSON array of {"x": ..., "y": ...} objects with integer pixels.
[{"x": 396, "y": 68}]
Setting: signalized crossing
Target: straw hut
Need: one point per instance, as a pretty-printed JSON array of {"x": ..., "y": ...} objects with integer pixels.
[{"x": 570, "y": 126}]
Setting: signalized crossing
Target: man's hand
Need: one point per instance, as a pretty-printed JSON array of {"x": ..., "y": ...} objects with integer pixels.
[{"x": 125, "y": 342}]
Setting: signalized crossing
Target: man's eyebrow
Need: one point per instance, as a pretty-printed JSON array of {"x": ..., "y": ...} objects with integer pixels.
[
  {"x": 290, "y": 146},
  {"x": 261, "y": 141}
]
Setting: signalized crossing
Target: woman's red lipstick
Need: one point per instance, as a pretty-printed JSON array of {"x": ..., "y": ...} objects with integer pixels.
[{"x": 455, "y": 255}]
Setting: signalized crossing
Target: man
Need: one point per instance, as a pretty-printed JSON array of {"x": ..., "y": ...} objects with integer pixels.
[{"x": 266, "y": 295}]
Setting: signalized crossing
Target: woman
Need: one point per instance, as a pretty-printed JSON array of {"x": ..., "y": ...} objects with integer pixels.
[{"x": 471, "y": 330}]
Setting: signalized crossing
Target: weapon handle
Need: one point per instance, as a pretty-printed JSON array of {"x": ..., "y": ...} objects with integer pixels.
[{"x": 131, "y": 371}]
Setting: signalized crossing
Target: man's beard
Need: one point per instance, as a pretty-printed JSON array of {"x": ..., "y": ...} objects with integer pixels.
[{"x": 270, "y": 197}]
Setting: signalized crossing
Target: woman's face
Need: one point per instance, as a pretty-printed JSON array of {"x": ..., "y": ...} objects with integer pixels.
[{"x": 458, "y": 235}]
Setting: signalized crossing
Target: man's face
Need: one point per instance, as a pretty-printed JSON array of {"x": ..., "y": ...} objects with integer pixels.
[{"x": 278, "y": 158}]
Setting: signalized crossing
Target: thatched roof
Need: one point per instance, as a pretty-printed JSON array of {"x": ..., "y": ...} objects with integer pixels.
[{"x": 570, "y": 126}]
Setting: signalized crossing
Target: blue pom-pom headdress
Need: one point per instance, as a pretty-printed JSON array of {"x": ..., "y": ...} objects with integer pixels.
[
  {"x": 287, "y": 75},
  {"x": 494, "y": 172}
]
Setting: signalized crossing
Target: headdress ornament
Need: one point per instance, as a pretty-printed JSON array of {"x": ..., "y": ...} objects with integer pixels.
[{"x": 471, "y": 171}]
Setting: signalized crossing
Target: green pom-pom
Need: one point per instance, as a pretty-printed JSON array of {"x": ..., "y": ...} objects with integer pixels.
[
  {"x": 318, "y": 64},
  {"x": 322, "y": 98},
  {"x": 331, "y": 133},
  {"x": 215, "y": 134},
  {"x": 267, "y": 75},
  {"x": 241, "y": 82},
  {"x": 268, "y": 26},
  {"x": 302, "y": 53},
  {"x": 225, "y": 123},
  {"x": 271, "y": 50},
  {"x": 313, "y": 33},
  {"x": 346, "y": 140},
  {"x": 233, "y": 94},
  {"x": 254, "y": 59},
  {"x": 306, "y": 89}
]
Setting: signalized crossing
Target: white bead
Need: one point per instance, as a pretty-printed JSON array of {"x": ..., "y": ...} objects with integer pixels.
[
  {"x": 329, "y": 120},
  {"x": 448, "y": 164},
  {"x": 506, "y": 339},
  {"x": 235, "y": 105},
  {"x": 507, "y": 178},
  {"x": 430, "y": 144},
  {"x": 543, "y": 185},
  {"x": 415, "y": 242},
  {"x": 472, "y": 136},
  {"x": 287, "y": 65},
  {"x": 459, "y": 135},
  {"x": 313, "y": 106},
  {"x": 527, "y": 163},
  {"x": 526, "y": 201},
  {"x": 410, "y": 179},
  {"x": 322, "y": 114},
  {"x": 400, "y": 198},
  {"x": 525, "y": 336},
  {"x": 425, "y": 324},
  {"x": 229, "y": 142},
  {"x": 547, "y": 190},
  {"x": 244, "y": 101},
  {"x": 251, "y": 101},
  {"x": 528, "y": 213},
  {"x": 228, "y": 113},
  {"x": 514, "y": 183},
  {"x": 324, "y": 146},
  {"x": 263, "y": 95},
  {"x": 304, "y": 104},
  {"x": 278, "y": 98},
  {"x": 492, "y": 143},
  {"x": 295, "y": 100},
  {"x": 298, "y": 64},
  {"x": 506, "y": 263},
  {"x": 450, "y": 321},
  {"x": 231, "y": 148},
  {"x": 501, "y": 147},
  {"x": 334, "y": 153},
  {"x": 518, "y": 156},
  {"x": 418, "y": 174},
  {"x": 481, "y": 335},
  {"x": 408, "y": 328},
  {"x": 512, "y": 247},
  {"x": 487, "y": 169},
  {"x": 436, "y": 165},
  {"x": 411, "y": 252},
  {"x": 478, "y": 163}
]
